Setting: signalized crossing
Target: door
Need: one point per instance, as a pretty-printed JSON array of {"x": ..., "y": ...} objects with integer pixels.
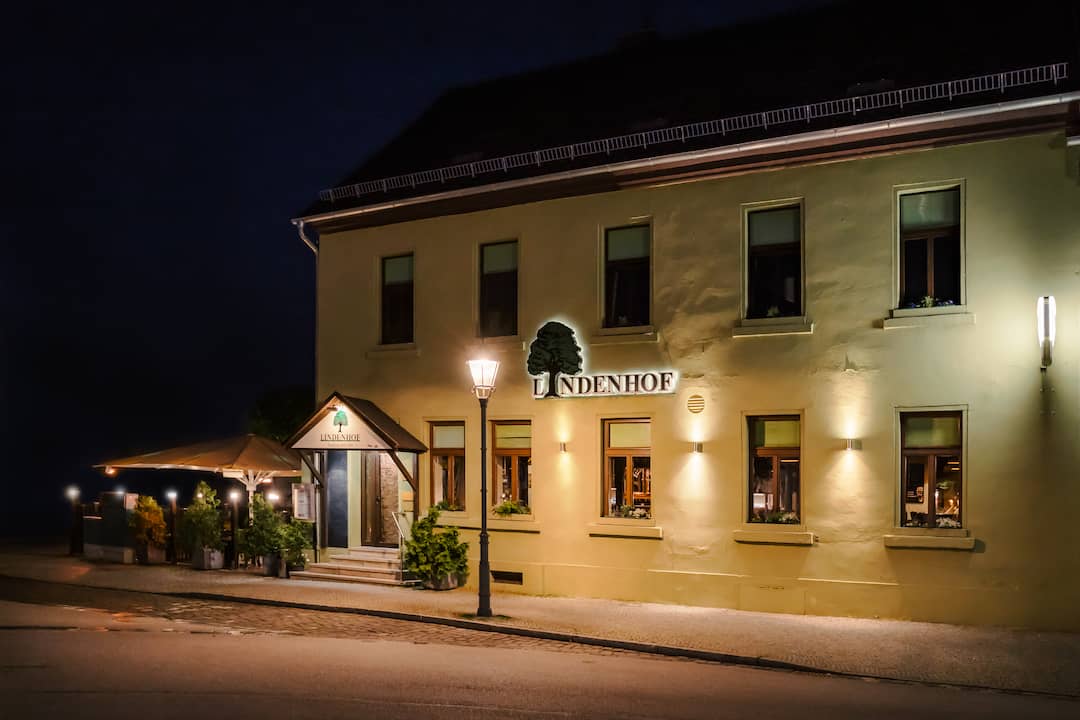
[{"x": 379, "y": 501}]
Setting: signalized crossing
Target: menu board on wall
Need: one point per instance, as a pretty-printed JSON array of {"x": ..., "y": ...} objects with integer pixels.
[{"x": 303, "y": 501}]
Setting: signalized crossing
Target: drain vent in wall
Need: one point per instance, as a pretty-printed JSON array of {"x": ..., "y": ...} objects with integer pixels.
[{"x": 509, "y": 578}]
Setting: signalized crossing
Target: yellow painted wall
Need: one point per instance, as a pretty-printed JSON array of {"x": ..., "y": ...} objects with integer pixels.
[{"x": 1022, "y": 485}]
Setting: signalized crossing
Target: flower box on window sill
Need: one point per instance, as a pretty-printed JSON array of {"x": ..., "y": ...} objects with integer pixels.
[
  {"x": 626, "y": 527},
  {"x": 939, "y": 315},
  {"x": 514, "y": 517},
  {"x": 774, "y": 534},
  {"x": 758, "y": 327},
  {"x": 624, "y": 335},
  {"x": 394, "y": 351}
]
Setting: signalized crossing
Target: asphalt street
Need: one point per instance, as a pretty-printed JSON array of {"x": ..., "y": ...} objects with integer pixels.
[{"x": 137, "y": 659}]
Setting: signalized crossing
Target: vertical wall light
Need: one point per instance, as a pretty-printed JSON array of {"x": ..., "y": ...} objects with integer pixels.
[{"x": 1046, "y": 312}]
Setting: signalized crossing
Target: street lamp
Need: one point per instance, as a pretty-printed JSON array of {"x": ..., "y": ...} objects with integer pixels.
[
  {"x": 234, "y": 501},
  {"x": 483, "y": 376},
  {"x": 75, "y": 541},
  {"x": 171, "y": 495}
]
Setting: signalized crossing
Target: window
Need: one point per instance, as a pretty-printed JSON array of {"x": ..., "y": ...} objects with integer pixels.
[
  {"x": 448, "y": 465},
  {"x": 930, "y": 248},
  {"x": 773, "y": 495},
  {"x": 627, "y": 469},
  {"x": 774, "y": 263},
  {"x": 931, "y": 469},
  {"x": 512, "y": 475},
  {"x": 397, "y": 300},
  {"x": 498, "y": 289},
  {"x": 627, "y": 276}
]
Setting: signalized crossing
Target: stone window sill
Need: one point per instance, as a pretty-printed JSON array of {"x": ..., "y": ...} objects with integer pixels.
[
  {"x": 938, "y": 540},
  {"x": 774, "y": 537},
  {"x": 514, "y": 526},
  {"x": 393, "y": 351},
  {"x": 617, "y": 530},
  {"x": 949, "y": 315},
  {"x": 513, "y": 518},
  {"x": 760, "y": 327},
  {"x": 505, "y": 342},
  {"x": 624, "y": 335}
]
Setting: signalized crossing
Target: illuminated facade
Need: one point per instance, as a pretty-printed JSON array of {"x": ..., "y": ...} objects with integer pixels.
[{"x": 845, "y": 410}]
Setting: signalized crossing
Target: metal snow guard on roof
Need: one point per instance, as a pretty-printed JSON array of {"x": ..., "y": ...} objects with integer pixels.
[{"x": 799, "y": 113}]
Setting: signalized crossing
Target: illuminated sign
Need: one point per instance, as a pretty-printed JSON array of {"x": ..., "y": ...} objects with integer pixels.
[{"x": 555, "y": 363}]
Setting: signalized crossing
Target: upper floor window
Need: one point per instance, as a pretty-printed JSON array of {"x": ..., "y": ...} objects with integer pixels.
[
  {"x": 498, "y": 289},
  {"x": 627, "y": 276},
  {"x": 448, "y": 465},
  {"x": 774, "y": 262},
  {"x": 774, "y": 469},
  {"x": 930, "y": 248},
  {"x": 397, "y": 300},
  {"x": 931, "y": 469},
  {"x": 512, "y": 476},
  {"x": 627, "y": 468}
]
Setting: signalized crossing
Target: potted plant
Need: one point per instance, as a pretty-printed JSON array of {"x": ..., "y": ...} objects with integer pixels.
[
  {"x": 147, "y": 523},
  {"x": 263, "y": 536},
  {"x": 436, "y": 555},
  {"x": 511, "y": 507},
  {"x": 295, "y": 538},
  {"x": 200, "y": 530}
]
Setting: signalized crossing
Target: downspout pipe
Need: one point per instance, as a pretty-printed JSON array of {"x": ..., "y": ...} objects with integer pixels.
[{"x": 299, "y": 223}]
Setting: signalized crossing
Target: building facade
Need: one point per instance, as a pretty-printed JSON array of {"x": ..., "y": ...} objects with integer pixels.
[{"x": 807, "y": 385}]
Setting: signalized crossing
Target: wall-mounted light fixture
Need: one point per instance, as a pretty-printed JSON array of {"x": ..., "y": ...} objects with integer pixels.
[
  {"x": 562, "y": 447},
  {"x": 1046, "y": 317},
  {"x": 72, "y": 493},
  {"x": 698, "y": 447},
  {"x": 852, "y": 444},
  {"x": 110, "y": 470},
  {"x": 234, "y": 496}
]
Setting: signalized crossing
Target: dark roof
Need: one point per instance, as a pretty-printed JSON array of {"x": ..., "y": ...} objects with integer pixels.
[
  {"x": 824, "y": 53},
  {"x": 380, "y": 423}
]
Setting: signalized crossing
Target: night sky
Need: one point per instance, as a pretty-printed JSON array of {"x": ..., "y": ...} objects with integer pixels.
[{"x": 153, "y": 285}]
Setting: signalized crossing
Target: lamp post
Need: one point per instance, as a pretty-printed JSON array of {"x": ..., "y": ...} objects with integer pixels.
[
  {"x": 75, "y": 542},
  {"x": 483, "y": 376},
  {"x": 234, "y": 499},
  {"x": 171, "y": 495}
]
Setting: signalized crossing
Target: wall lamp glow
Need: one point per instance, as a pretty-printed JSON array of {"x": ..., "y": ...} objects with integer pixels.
[
  {"x": 562, "y": 447},
  {"x": 72, "y": 493},
  {"x": 110, "y": 470},
  {"x": 698, "y": 447},
  {"x": 852, "y": 444},
  {"x": 1046, "y": 317}
]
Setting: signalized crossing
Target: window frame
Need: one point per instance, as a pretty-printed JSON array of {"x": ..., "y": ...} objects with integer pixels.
[
  {"x": 777, "y": 454},
  {"x": 508, "y": 452},
  {"x": 607, "y": 452},
  {"x": 456, "y": 455},
  {"x": 381, "y": 271},
  {"x": 932, "y": 453},
  {"x": 746, "y": 210},
  {"x": 480, "y": 288},
  {"x": 899, "y": 237},
  {"x": 645, "y": 222}
]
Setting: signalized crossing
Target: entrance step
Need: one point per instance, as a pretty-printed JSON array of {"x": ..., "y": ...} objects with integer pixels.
[
  {"x": 309, "y": 575},
  {"x": 380, "y": 566}
]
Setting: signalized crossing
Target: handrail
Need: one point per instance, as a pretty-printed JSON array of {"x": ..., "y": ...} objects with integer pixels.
[{"x": 404, "y": 533}]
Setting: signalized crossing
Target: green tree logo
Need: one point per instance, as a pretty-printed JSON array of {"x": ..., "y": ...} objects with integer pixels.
[
  {"x": 554, "y": 351},
  {"x": 341, "y": 419}
]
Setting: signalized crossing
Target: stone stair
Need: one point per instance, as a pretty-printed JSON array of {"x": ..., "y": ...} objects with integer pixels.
[{"x": 372, "y": 565}]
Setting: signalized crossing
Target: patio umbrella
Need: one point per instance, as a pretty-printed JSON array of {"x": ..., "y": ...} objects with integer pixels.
[{"x": 251, "y": 459}]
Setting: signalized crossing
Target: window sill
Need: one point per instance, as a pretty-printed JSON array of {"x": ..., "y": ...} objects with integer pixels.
[
  {"x": 515, "y": 526},
  {"x": 622, "y": 335},
  {"x": 397, "y": 350},
  {"x": 513, "y": 518},
  {"x": 759, "y": 327},
  {"x": 937, "y": 540},
  {"x": 929, "y": 317},
  {"x": 502, "y": 342},
  {"x": 625, "y": 530},
  {"x": 774, "y": 537}
]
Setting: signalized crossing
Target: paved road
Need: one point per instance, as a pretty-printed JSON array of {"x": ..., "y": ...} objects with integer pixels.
[{"x": 149, "y": 655}]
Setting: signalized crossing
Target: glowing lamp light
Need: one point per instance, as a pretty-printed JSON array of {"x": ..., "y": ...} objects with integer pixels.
[
  {"x": 171, "y": 495},
  {"x": 234, "y": 496},
  {"x": 72, "y": 492},
  {"x": 273, "y": 497},
  {"x": 698, "y": 447},
  {"x": 483, "y": 377},
  {"x": 110, "y": 470},
  {"x": 198, "y": 495},
  {"x": 759, "y": 501},
  {"x": 852, "y": 444},
  {"x": 562, "y": 447},
  {"x": 1046, "y": 319}
]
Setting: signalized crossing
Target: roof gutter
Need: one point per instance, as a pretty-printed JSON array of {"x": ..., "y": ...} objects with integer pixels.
[
  {"x": 299, "y": 223},
  {"x": 914, "y": 121}
]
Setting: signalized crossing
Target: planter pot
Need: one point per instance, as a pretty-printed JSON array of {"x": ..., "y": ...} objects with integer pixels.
[
  {"x": 448, "y": 581},
  {"x": 208, "y": 559},
  {"x": 271, "y": 565},
  {"x": 151, "y": 555}
]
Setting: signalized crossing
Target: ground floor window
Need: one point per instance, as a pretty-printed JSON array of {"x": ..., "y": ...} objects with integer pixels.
[
  {"x": 627, "y": 468},
  {"x": 931, "y": 469},
  {"x": 773, "y": 495},
  {"x": 512, "y": 474},
  {"x": 448, "y": 465}
]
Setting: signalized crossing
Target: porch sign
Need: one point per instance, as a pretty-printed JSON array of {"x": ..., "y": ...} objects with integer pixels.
[
  {"x": 555, "y": 357},
  {"x": 333, "y": 432},
  {"x": 303, "y": 501}
]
